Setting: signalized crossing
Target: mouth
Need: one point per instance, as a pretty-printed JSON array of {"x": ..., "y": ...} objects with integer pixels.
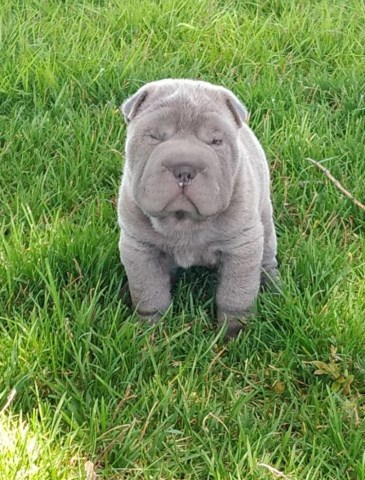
[
  {"x": 180, "y": 215},
  {"x": 181, "y": 207},
  {"x": 183, "y": 217}
]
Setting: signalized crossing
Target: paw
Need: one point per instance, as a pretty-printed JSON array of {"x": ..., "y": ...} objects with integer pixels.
[
  {"x": 234, "y": 324},
  {"x": 149, "y": 318}
]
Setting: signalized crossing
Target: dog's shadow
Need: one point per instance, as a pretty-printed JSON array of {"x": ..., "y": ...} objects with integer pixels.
[{"x": 193, "y": 290}]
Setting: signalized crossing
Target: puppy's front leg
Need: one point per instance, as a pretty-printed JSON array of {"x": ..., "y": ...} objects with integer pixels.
[
  {"x": 148, "y": 273},
  {"x": 239, "y": 284}
]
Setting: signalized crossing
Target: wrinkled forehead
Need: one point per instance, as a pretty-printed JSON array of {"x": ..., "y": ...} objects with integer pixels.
[{"x": 184, "y": 112}]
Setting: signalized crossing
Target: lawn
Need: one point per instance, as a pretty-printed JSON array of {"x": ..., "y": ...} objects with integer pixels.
[{"x": 85, "y": 391}]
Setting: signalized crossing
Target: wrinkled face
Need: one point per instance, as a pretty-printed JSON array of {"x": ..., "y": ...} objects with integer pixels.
[{"x": 183, "y": 158}]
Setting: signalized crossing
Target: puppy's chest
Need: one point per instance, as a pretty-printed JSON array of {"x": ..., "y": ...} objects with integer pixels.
[{"x": 187, "y": 256}]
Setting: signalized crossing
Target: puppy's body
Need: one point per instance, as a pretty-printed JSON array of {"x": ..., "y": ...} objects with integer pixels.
[{"x": 195, "y": 191}]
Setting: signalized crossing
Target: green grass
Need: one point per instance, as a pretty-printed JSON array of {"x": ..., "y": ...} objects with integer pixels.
[{"x": 177, "y": 402}]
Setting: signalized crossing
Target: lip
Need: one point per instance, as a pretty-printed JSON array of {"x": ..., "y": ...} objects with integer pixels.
[{"x": 180, "y": 215}]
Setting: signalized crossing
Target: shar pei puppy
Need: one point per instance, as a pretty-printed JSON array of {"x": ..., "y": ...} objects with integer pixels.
[{"x": 195, "y": 191}]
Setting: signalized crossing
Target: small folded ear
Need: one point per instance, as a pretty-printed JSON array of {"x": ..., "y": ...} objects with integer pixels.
[
  {"x": 238, "y": 110},
  {"x": 133, "y": 104}
]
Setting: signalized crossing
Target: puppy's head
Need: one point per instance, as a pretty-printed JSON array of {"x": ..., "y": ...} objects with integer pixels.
[{"x": 182, "y": 153}]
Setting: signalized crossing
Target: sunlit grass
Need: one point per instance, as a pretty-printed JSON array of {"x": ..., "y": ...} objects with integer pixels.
[{"x": 92, "y": 386}]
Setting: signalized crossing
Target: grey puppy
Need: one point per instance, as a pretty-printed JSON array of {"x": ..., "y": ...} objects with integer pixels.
[{"x": 195, "y": 191}]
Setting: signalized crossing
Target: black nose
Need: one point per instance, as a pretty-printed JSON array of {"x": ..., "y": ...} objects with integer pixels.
[{"x": 184, "y": 174}]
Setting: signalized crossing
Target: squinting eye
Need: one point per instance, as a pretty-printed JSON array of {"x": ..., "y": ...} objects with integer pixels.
[
  {"x": 154, "y": 137},
  {"x": 217, "y": 142}
]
